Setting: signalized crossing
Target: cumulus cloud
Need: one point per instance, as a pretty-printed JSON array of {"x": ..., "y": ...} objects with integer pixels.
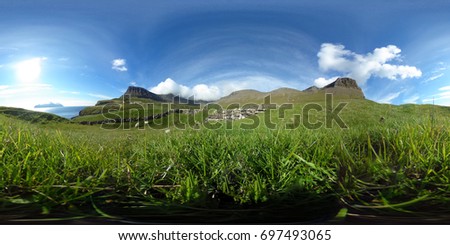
[
  {"x": 334, "y": 57},
  {"x": 206, "y": 92},
  {"x": 119, "y": 65},
  {"x": 220, "y": 88},
  {"x": 322, "y": 82},
  {"x": 210, "y": 92},
  {"x": 199, "y": 91},
  {"x": 169, "y": 86}
]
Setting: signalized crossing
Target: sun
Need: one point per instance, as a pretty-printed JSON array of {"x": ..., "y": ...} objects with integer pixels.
[{"x": 29, "y": 70}]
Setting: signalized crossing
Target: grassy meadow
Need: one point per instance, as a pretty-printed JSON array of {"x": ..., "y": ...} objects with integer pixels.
[{"x": 391, "y": 164}]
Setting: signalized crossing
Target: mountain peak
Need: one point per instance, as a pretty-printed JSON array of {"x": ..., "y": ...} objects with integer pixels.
[
  {"x": 345, "y": 82},
  {"x": 139, "y": 92},
  {"x": 311, "y": 89},
  {"x": 345, "y": 86}
]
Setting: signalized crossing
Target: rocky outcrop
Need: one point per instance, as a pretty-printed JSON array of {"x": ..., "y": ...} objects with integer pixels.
[
  {"x": 344, "y": 87},
  {"x": 344, "y": 82},
  {"x": 139, "y": 92}
]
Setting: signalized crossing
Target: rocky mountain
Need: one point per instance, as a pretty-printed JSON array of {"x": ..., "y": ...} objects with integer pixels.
[
  {"x": 343, "y": 82},
  {"x": 138, "y": 92},
  {"x": 344, "y": 87}
]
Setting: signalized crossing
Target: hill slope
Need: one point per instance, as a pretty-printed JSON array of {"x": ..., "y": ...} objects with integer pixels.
[
  {"x": 31, "y": 116},
  {"x": 342, "y": 88},
  {"x": 396, "y": 160}
]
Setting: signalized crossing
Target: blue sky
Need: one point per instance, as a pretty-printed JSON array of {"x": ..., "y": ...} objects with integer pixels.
[{"x": 78, "y": 52}]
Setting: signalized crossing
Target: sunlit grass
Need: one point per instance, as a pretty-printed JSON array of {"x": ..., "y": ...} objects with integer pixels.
[{"x": 396, "y": 167}]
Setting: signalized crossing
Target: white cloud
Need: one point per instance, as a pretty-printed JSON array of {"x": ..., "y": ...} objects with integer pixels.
[
  {"x": 21, "y": 89},
  {"x": 437, "y": 72},
  {"x": 442, "y": 98},
  {"x": 133, "y": 83},
  {"x": 444, "y": 88},
  {"x": 445, "y": 94},
  {"x": 390, "y": 97},
  {"x": 322, "y": 82},
  {"x": 69, "y": 92},
  {"x": 24, "y": 95},
  {"x": 169, "y": 86},
  {"x": 361, "y": 67},
  {"x": 119, "y": 65},
  {"x": 100, "y": 96},
  {"x": 259, "y": 82},
  {"x": 211, "y": 92},
  {"x": 199, "y": 91},
  {"x": 411, "y": 100},
  {"x": 434, "y": 77},
  {"x": 205, "y": 92}
]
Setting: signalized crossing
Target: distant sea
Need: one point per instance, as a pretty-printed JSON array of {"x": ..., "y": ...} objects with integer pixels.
[{"x": 66, "y": 111}]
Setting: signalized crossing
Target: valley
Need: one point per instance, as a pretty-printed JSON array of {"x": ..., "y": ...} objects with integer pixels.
[{"x": 390, "y": 164}]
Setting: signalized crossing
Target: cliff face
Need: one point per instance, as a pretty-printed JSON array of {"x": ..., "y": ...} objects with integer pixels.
[
  {"x": 344, "y": 86},
  {"x": 141, "y": 93},
  {"x": 138, "y": 92},
  {"x": 344, "y": 82}
]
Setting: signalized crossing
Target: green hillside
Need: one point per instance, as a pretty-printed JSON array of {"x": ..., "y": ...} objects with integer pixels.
[
  {"x": 30, "y": 116},
  {"x": 342, "y": 88},
  {"x": 391, "y": 162},
  {"x": 136, "y": 108}
]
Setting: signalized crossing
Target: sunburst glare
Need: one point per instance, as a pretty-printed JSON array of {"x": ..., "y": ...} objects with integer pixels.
[{"x": 29, "y": 70}]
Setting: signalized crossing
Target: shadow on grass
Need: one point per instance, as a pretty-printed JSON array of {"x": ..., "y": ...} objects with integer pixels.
[{"x": 117, "y": 209}]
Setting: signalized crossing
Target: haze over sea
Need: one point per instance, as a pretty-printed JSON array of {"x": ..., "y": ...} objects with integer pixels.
[{"x": 65, "y": 111}]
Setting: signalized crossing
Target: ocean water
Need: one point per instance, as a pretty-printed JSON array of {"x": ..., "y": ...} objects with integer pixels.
[{"x": 66, "y": 111}]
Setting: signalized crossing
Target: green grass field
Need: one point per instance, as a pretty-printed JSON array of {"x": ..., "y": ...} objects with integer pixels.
[{"x": 396, "y": 169}]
